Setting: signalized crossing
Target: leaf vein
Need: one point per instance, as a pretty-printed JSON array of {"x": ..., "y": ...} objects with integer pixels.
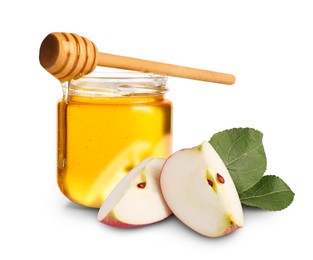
[
  {"x": 264, "y": 195},
  {"x": 244, "y": 154}
]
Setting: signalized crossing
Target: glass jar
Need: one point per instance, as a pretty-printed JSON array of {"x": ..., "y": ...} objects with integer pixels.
[{"x": 107, "y": 124}]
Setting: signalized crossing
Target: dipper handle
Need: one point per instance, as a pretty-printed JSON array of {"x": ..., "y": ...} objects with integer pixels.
[
  {"x": 69, "y": 56},
  {"x": 122, "y": 62}
]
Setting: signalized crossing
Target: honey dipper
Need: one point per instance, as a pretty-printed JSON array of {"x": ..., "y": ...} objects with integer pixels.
[{"x": 69, "y": 56}]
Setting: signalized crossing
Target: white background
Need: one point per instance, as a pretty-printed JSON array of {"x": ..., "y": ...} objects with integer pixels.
[{"x": 266, "y": 44}]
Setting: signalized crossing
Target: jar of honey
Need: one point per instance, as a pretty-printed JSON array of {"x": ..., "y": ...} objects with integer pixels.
[{"x": 107, "y": 124}]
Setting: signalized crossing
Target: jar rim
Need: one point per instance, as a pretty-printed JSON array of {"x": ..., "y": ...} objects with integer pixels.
[
  {"x": 120, "y": 75},
  {"x": 112, "y": 84}
]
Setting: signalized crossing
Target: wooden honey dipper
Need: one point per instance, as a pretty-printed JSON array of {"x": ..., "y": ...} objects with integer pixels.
[{"x": 69, "y": 56}]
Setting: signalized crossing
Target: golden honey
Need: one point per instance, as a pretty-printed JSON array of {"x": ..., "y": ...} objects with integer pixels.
[{"x": 106, "y": 126}]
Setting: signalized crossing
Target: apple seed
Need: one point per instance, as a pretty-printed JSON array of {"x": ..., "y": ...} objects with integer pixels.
[
  {"x": 220, "y": 178},
  {"x": 141, "y": 185},
  {"x": 210, "y": 183}
]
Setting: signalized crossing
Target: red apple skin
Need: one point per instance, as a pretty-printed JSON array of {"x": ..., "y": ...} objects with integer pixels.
[
  {"x": 111, "y": 220},
  {"x": 161, "y": 172},
  {"x": 230, "y": 229}
]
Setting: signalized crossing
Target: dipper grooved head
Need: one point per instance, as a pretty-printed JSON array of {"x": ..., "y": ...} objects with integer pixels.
[{"x": 67, "y": 55}]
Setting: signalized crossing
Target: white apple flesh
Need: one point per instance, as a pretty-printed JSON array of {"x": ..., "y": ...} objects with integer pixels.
[
  {"x": 137, "y": 200},
  {"x": 197, "y": 187}
]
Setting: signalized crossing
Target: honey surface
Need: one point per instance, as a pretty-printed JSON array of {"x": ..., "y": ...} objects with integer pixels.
[{"x": 101, "y": 139}]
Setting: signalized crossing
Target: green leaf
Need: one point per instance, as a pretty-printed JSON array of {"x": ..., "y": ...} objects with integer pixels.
[
  {"x": 270, "y": 193},
  {"x": 242, "y": 151}
]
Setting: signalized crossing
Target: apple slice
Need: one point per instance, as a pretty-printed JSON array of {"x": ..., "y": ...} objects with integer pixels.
[
  {"x": 200, "y": 192},
  {"x": 137, "y": 200}
]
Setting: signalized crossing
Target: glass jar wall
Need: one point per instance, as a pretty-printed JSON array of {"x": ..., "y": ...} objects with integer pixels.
[{"x": 107, "y": 124}]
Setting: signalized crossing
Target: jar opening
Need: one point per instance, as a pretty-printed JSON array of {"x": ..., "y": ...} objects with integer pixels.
[{"x": 118, "y": 84}]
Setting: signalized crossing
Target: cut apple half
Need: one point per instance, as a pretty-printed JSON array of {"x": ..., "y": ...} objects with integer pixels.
[
  {"x": 137, "y": 200},
  {"x": 200, "y": 192}
]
